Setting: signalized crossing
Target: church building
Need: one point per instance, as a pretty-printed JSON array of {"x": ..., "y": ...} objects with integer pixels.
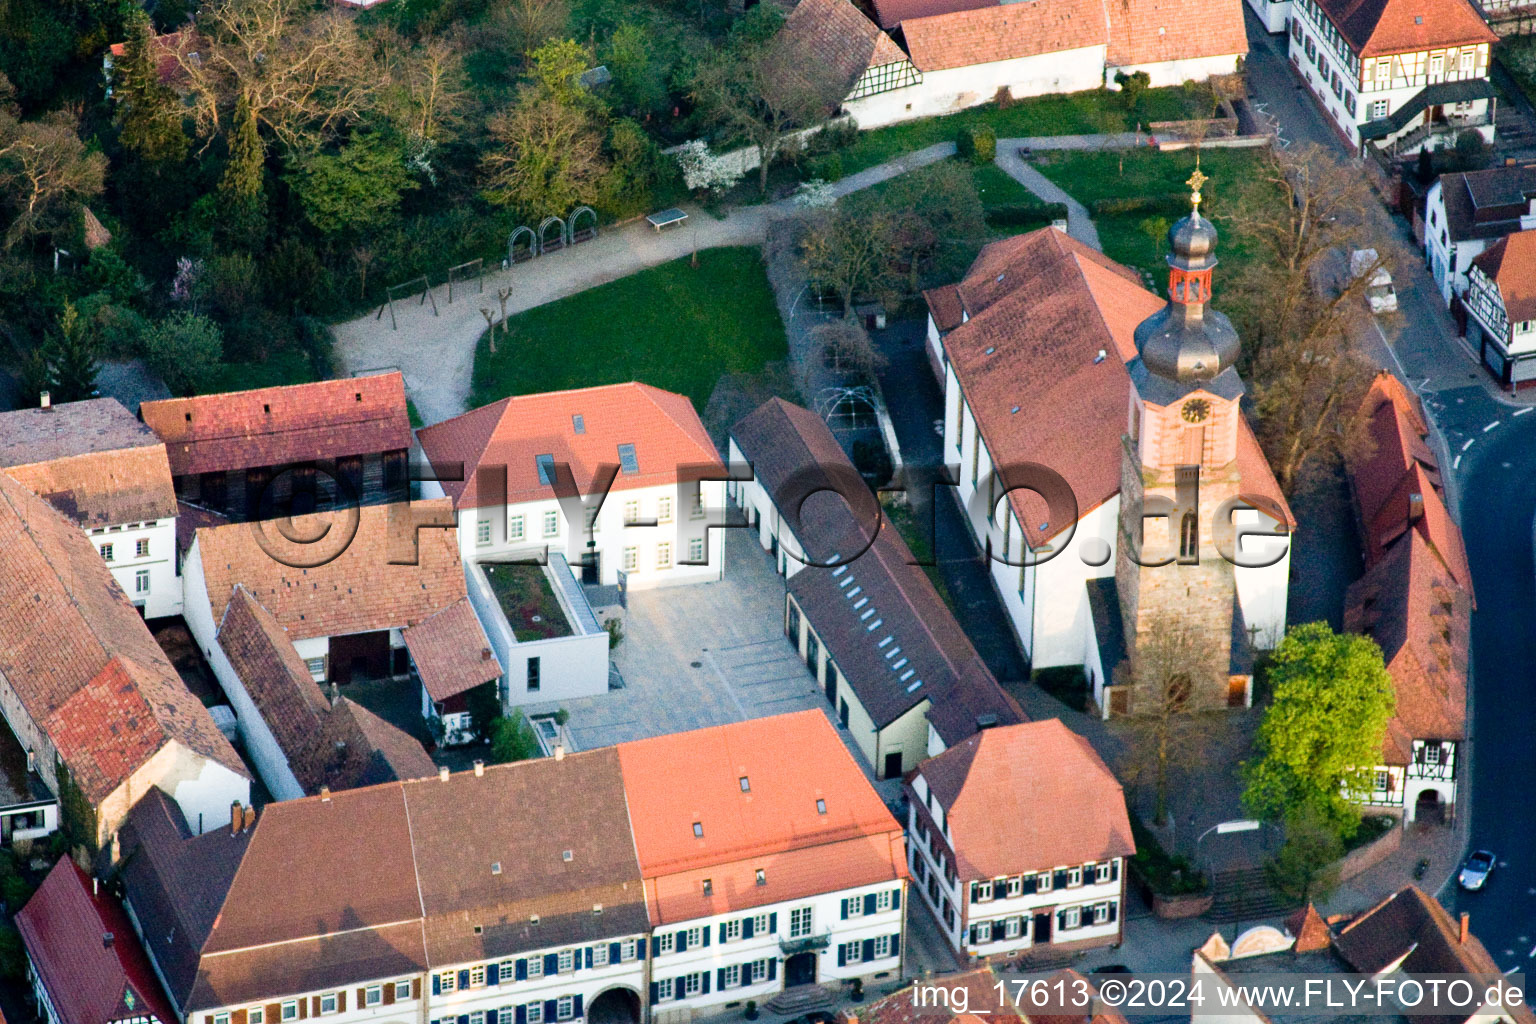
[{"x": 1104, "y": 463}]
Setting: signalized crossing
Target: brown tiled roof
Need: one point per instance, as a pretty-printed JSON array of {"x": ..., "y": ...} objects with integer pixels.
[
  {"x": 1259, "y": 486},
  {"x": 890, "y": 13},
  {"x": 370, "y": 585},
  {"x": 393, "y": 754},
  {"x": 1309, "y": 929},
  {"x": 1005, "y": 815},
  {"x": 835, "y": 37},
  {"x": 80, "y": 659},
  {"x": 450, "y": 651},
  {"x": 1511, "y": 264},
  {"x": 64, "y": 926},
  {"x": 984, "y": 35},
  {"x": 1043, "y": 306},
  {"x": 944, "y": 306},
  {"x": 91, "y": 460},
  {"x": 324, "y": 745},
  {"x": 1376, "y": 27},
  {"x": 1415, "y": 611},
  {"x": 328, "y": 419},
  {"x": 980, "y": 996},
  {"x": 790, "y": 761},
  {"x": 512, "y": 433},
  {"x": 1153, "y": 31},
  {"x": 191, "y": 518}
]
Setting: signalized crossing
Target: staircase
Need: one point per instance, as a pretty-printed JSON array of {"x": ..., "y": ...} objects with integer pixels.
[
  {"x": 798, "y": 1000},
  {"x": 1245, "y": 895}
]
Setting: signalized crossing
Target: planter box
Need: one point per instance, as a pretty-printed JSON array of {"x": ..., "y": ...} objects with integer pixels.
[{"x": 1170, "y": 908}]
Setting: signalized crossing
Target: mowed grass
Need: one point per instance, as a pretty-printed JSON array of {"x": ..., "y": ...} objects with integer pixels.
[
  {"x": 1078, "y": 113},
  {"x": 674, "y": 326}
]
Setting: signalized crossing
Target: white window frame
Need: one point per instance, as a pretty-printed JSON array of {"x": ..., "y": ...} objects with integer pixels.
[
  {"x": 664, "y": 509},
  {"x": 373, "y": 995},
  {"x": 1432, "y": 753},
  {"x": 664, "y": 555},
  {"x": 1074, "y": 877},
  {"x": 506, "y": 1015},
  {"x": 666, "y": 943},
  {"x": 483, "y": 533},
  {"x": 141, "y": 581},
  {"x": 402, "y": 991},
  {"x": 732, "y": 930},
  {"x": 627, "y": 951},
  {"x": 329, "y": 998},
  {"x": 535, "y": 1012},
  {"x": 983, "y": 932},
  {"x": 1380, "y": 109},
  {"x": 801, "y": 921},
  {"x": 221, "y": 1018},
  {"x": 698, "y": 505},
  {"x": 600, "y": 955},
  {"x": 664, "y": 989},
  {"x": 1013, "y": 927},
  {"x": 141, "y": 548},
  {"x": 515, "y": 528},
  {"x": 477, "y": 1017},
  {"x": 631, "y": 512},
  {"x": 106, "y": 553},
  {"x": 449, "y": 982},
  {"x": 631, "y": 560},
  {"x": 732, "y": 976},
  {"x": 883, "y": 900},
  {"x": 696, "y": 549},
  {"x": 535, "y": 967},
  {"x": 1044, "y": 881},
  {"x": 289, "y": 1010},
  {"x": 552, "y": 524},
  {"x": 855, "y": 907},
  {"x": 884, "y": 948},
  {"x": 477, "y": 976},
  {"x": 256, "y": 1015},
  {"x": 693, "y": 984},
  {"x": 1072, "y": 917},
  {"x": 757, "y": 971},
  {"x": 1101, "y": 913},
  {"x": 1015, "y": 887},
  {"x": 565, "y": 961},
  {"x": 760, "y": 925},
  {"x": 565, "y": 1008}
]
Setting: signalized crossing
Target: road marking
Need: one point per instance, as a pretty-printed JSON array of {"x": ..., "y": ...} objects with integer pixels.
[
  {"x": 1522, "y": 411},
  {"x": 1513, "y": 969},
  {"x": 1490, "y": 426},
  {"x": 1456, "y": 463},
  {"x": 1468, "y": 444}
]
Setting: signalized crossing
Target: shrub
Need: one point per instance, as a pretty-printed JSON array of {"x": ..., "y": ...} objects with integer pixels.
[
  {"x": 1026, "y": 216},
  {"x": 827, "y": 168},
  {"x": 833, "y": 137},
  {"x": 615, "y": 630},
  {"x": 872, "y": 461},
  {"x": 184, "y": 350},
  {"x": 1164, "y": 874},
  {"x": 977, "y": 143},
  {"x": 1170, "y": 204},
  {"x": 1003, "y": 98}
]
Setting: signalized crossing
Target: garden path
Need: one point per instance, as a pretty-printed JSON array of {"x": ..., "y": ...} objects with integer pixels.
[{"x": 436, "y": 352}]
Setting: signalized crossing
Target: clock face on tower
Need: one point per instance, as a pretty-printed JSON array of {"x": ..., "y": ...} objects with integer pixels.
[{"x": 1195, "y": 410}]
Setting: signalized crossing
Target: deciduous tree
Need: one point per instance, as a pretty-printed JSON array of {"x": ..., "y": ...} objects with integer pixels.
[
  {"x": 547, "y": 157},
  {"x": 852, "y": 251},
  {"x": 45, "y": 173},
  {"x": 354, "y": 190},
  {"x": 1321, "y": 737},
  {"x": 183, "y": 350}
]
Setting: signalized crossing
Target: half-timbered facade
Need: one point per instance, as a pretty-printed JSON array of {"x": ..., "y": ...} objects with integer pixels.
[
  {"x": 1501, "y": 308},
  {"x": 1017, "y": 840},
  {"x": 1397, "y": 75},
  {"x": 1465, "y": 214}
]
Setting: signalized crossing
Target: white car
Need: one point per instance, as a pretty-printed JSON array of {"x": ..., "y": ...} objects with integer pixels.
[{"x": 1379, "y": 293}]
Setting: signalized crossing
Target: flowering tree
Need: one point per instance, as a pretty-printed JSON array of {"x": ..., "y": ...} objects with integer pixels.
[{"x": 703, "y": 170}]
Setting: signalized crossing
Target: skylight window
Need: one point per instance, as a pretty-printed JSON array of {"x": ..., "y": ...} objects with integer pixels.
[
  {"x": 762, "y": 877},
  {"x": 578, "y": 424},
  {"x": 821, "y": 807},
  {"x": 628, "y": 462},
  {"x": 546, "y": 467},
  {"x": 746, "y": 784},
  {"x": 698, "y": 830},
  {"x": 709, "y": 887}
]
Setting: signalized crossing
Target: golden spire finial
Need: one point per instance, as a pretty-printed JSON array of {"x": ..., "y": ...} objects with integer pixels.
[{"x": 1195, "y": 181}]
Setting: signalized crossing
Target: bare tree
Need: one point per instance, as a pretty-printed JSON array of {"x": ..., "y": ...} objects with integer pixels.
[
  {"x": 845, "y": 348},
  {"x": 1164, "y": 734},
  {"x": 548, "y": 157},
  {"x": 1302, "y": 307},
  {"x": 302, "y": 74},
  {"x": 45, "y": 172},
  {"x": 428, "y": 91},
  {"x": 852, "y": 251}
]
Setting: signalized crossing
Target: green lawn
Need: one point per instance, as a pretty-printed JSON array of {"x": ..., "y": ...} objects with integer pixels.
[
  {"x": 1137, "y": 237},
  {"x": 1079, "y": 113},
  {"x": 1518, "y": 55},
  {"x": 531, "y": 608},
  {"x": 674, "y": 326}
]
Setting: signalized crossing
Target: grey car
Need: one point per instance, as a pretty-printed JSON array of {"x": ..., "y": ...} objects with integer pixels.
[{"x": 1474, "y": 873}]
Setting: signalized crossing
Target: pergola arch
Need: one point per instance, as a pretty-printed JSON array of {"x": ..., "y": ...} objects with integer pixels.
[
  {"x": 530, "y": 248},
  {"x": 575, "y": 232},
  {"x": 545, "y": 243}
]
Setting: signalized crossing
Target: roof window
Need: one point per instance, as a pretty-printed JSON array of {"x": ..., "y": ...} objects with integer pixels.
[
  {"x": 628, "y": 462},
  {"x": 821, "y": 806},
  {"x": 698, "y": 830},
  {"x": 578, "y": 424},
  {"x": 546, "y": 467},
  {"x": 746, "y": 784},
  {"x": 762, "y": 877}
]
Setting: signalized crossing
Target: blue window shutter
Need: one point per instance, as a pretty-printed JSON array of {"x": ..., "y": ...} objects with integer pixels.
[
  {"x": 680, "y": 945},
  {"x": 578, "y": 1004},
  {"x": 640, "y": 947},
  {"x": 845, "y": 908},
  {"x": 746, "y": 928},
  {"x": 773, "y": 968},
  {"x": 867, "y": 953},
  {"x": 706, "y": 932},
  {"x": 1031, "y": 883},
  {"x": 551, "y": 964},
  {"x": 521, "y": 972},
  {"x": 705, "y": 980},
  {"x": 1114, "y": 870},
  {"x": 437, "y": 985},
  {"x": 896, "y": 899},
  {"x": 493, "y": 974},
  {"x": 464, "y": 979},
  {"x": 614, "y": 952},
  {"x": 463, "y": 1018},
  {"x": 589, "y": 961},
  {"x": 722, "y": 933},
  {"x": 869, "y": 903},
  {"x": 522, "y": 1015},
  {"x": 655, "y": 944},
  {"x": 842, "y": 954},
  {"x": 551, "y": 1010},
  {"x": 1061, "y": 879},
  {"x": 896, "y": 944},
  {"x": 773, "y": 922},
  {"x": 654, "y": 989},
  {"x": 720, "y": 978}
]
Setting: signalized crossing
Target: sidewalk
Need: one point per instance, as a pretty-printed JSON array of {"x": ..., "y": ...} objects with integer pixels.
[{"x": 1079, "y": 223}]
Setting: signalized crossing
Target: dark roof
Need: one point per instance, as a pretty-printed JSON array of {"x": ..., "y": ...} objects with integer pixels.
[
  {"x": 1108, "y": 625},
  {"x": 1488, "y": 203},
  {"x": 328, "y": 419},
  {"x": 70, "y": 429},
  {"x": 890, "y": 13},
  {"x": 90, "y": 978},
  {"x": 1430, "y": 96},
  {"x": 835, "y": 37},
  {"x": 1376, "y": 27}
]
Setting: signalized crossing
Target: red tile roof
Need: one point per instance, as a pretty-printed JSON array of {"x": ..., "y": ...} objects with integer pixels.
[
  {"x": 325, "y": 420},
  {"x": 977, "y": 991},
  {"x": 450, "y": 651},
  {"x": 165, "y": 46},
  {"x": 376, "y": 581},
  {"x": 663, "y": 427},
  {"x": 1154, "y": 31},
  {"x": 890, "y": 13},
  {"x": 1377, "y": 27},
  {"x": 1006, "y": 816},
  {"x": 1511, "y": 264},
  {"x": 79, "y": 658},
  {"x": 88, "y": 980},
  {"x": 790, "y": 761},
  {"x": 985, "y": 35},
  {"x": 836, "y": 37}
]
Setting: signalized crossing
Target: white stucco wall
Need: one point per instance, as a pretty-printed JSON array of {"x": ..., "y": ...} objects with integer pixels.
[
  {"x": 1262, "y": 592},
  {"x": 164, "y": 594},
  {"x": 1271, "y": 13},
  {"x": 1177, "y": 72},
  {"x": 569, "y": 666},
  {"x": 952, "y": 89},
  {"x": 448, "y": 997}
]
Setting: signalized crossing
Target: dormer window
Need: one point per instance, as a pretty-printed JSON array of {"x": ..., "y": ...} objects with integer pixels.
[{"x": 746, "y": 785}]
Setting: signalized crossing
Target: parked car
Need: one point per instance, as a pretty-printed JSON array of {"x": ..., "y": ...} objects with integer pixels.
[
  {"x": 1474, "y": 873},
  {"x": 1379, "y": 293}
]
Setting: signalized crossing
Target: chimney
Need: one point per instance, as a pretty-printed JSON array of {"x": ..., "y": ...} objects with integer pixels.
[
  {"x": 1415, "y": 507},
  {"x": 107, "y": 938},
  {"x": 1465, "y": 934},
  {"x": 559, "y": 751},
  {"x": 235, "y": 817},
  {"x": 485, "y": 654},
  {"x": 479, "y": 769},
  {"x": 325, "y": 794},
  {"x": 45, "y": 401},
  {"x": 250, "y": 818},
  {"x": 442, "y": 774}
]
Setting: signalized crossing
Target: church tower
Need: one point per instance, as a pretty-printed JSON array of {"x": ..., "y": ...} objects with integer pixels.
[{"x": 1179, "y": 467}]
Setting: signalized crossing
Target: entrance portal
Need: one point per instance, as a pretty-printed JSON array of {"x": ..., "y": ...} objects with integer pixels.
[
  {"x": 615, "y": 1006},
  {"x": 800, "y": 969},
  {"x": 1428, "y": 808}
]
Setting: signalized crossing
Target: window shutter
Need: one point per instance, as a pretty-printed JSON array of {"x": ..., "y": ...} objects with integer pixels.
[
  {"x": 654, "y": 990},
  {"x": 551, "y": 964},
  {"x": 773, "y": 922},
  {"x": 589, "y": 961},
  {"x": 722, "y": 933},
  {"x": 896, "y": 899},
  {"x": 773, "y": 968},
  {"x": 493, "y": 974},
  {"x": 705, "y": 980},
  {"x": 522, "y": 1013},
  {"x": 869, "y": 903},
  {"x": 463, "y": 1018},
  {"x": 551, "y": 1011},
  {"x": 303, "y": 1008},
  {"x": 655, "y": 944},
  {"x": 520, "y": 971},
  {"x": 868, "y": 952},
  {"x": 239, "y": 1017},
  {"x": 842, "y": 954},
  {"x": 845, "y": 908},
  {"x": 1061, "y": 879},
  {"x": 680, "y": 944},
  {"x": 746, "y": 928},
  {"x": 614, "y": 952},
  {"x": 341, "y": 1002},
  {"x": 274, "y": 1013},
  {"x": 437, "y": 986},
  {"x": 1114, "y": 870},
  {"x": 706, "y": 930},
  {"x": 1112, "y": 908},
  {"x": 896, "y": 944},
  {"x": 640, "y": 947},
  {"x": 389, "y": 994},
  {"x": 416, "y": 989},
  {"x": 1031, "y": 883},
  {"x": 463, "y": 979},
  {"x": 720, "y": 978},
  {"x": 578, "y": 1004}
]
